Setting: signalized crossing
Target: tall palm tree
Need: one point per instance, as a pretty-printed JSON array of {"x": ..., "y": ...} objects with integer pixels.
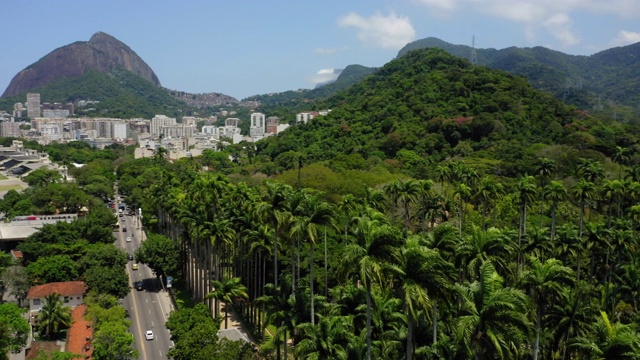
[
  {"x": 526, "y": 191},
  {"x": 620, "y": 156},
  {"x": 584, "y": 190},
  {"x": 424, "y": 278},
  {"x": 545, "y": 281},
  {"x": 480, "y": 246},
  {"x": 544, "y": 169},
  {"x": 403, "y": 194},
  {"x": 228, "y": 290},
  {"x": 273, "y": 210},
  {"x": 365, "y": 259},
  {"x": 493, "y": 320},
  {"x": 462, "y": 192},
  {"x": 556, "y": 192},
  {"x": 54, "y": 316},
  {"x": 315, "y": 214},
  {"x": 487, "y": 192}
]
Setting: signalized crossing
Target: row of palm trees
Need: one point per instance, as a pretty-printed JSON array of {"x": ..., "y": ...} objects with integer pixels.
[{"x": 396, "y": 265}]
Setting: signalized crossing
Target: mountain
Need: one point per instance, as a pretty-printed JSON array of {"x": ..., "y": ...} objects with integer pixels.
[
  {"x": 102, "y": 53},
  {"x": 429, "y": 105},
  {"x": 586, "y": 81}
]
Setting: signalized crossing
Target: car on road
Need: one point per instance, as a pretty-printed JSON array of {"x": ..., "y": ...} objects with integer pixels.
[
  {"x": 139, "y": 285},
  {"x": 134, "y": 266},
  {"x": 130, "y": 256},
  {"x": 148, "y": 335},
  {"x": 124, "y": 229},
  {"x": 128, "y": 238}
]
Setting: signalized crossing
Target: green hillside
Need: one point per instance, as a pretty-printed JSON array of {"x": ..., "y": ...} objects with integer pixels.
[
  {"x": 432, "y": 105},
  {"x": 121, "y": 94}
]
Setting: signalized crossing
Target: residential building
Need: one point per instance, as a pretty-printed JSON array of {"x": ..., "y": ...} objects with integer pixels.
[
  {"x": 257, "y": 125},
  {"x": 71, "y": 293},
  {"x": 158, "y": 122},
  {"x": 33, "y": 105}
]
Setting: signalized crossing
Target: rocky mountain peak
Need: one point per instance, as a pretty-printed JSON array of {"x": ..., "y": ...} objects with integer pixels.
[{"x": 102, "y": 52}]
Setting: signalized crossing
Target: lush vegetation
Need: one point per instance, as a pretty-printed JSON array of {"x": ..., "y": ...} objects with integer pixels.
[{"x": 441, "y": 210}]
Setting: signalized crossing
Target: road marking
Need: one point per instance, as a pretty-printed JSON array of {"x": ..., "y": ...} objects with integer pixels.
[
  {"x": 160, "y": 353},
  {"x": 144, "y": 353}
]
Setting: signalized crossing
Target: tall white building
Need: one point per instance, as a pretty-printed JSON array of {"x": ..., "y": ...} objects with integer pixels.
[
  {"x": 158, "y": 122},
  {"x": 119, "y": 130},
  {"x": 257, "y": 126}
]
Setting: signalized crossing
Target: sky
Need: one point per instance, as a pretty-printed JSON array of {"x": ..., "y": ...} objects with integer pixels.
[{"x": 247, "y": 47}]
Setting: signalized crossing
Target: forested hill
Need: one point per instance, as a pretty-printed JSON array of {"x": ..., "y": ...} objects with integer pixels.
[
  {"x": 432, "y": 105},
  {"x": 609, "y": 77}
]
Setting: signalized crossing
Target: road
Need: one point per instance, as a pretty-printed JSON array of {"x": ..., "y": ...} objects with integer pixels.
[{"x": 148, "y": 309}]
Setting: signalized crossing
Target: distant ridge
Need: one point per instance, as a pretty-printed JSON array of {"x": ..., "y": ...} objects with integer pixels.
[
  {"x": 102, "y": 52},
  {"x": 611, "y": 75}
]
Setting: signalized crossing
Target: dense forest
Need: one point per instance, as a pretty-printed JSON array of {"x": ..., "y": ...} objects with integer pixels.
[{"x": 441, "y": 210}]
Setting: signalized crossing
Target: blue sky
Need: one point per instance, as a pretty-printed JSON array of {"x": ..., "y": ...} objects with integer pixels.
[{"x": 242, "y": 48}]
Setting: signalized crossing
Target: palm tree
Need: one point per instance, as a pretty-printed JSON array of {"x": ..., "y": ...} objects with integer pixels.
[
  {"x": 556, "y": 192},
  {"x": 545, "y": 168},
  {"x": 488, "y": 191},
  {"x": 326, "y": 340},
  {"x": 609, "y": 341},
  {"x": 403, "y": 194},
  {"x": 462, "y": 192},
  {"x": 229, "y": 290},
  {"x": 620, "y": 156},
  {"x": 365, "y": 258},
  {"x": 479, "y": 247},
  {"x": 584, "y": 190},
  {"x": 347, "y": 205},
  {"x": 633, "y": 173},
  {"x": 493, "y": 320},
  {"x": 314, "y": 215},
  {"x": 545, "y": 281},
  {"x": 54, "y": 316},
  {"x": 424, "y": 277},
  {"x": 273, "y": 211},
  {"x": 526, "y": 190}
]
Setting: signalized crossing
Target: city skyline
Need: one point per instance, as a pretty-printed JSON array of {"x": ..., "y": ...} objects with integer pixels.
[{"x": 247, "y": 48}]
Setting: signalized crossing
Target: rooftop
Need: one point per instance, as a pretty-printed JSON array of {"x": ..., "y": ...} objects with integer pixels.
[
  {"x": 66, "y": 288},
  {"x": 80, "y": 334}
]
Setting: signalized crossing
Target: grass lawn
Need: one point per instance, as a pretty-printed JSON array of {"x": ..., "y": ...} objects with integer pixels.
[
  {"x": 10, "y": 187},
  {"x": 2, "y": 177}
]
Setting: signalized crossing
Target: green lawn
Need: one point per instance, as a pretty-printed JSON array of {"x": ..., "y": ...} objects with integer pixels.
[{"x": 2, "y": 177}]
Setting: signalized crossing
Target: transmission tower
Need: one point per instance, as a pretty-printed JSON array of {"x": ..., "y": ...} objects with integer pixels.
[{"x": 474, "y": 55}]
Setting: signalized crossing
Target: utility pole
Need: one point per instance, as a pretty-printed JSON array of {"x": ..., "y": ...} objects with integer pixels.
[{"x": 474, "y": 55}]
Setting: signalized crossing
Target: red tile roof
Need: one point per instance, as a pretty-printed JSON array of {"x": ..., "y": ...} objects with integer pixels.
[
  {"x": 17, "y": 254},
  {"x": 67, "y": 288},
  {"x": 80, "y": 334}
]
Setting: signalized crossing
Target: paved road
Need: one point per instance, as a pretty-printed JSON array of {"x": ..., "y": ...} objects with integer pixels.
[{"x": 148, "y": 309}]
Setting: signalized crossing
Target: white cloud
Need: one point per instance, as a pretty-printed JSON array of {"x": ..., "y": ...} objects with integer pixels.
[
  {"x": 388, "y": 32},
  {"x": 559, "y": 26},
  {"x": 625, "y": 38},
  {"x": 323, "y": 76}
]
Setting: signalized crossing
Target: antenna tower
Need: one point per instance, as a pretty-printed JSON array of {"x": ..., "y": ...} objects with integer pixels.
[{"x": 474, "y": 55}]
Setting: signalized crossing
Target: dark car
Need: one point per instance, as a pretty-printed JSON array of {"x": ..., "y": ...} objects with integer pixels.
[
  {"x": 139, "y": 285},
  {"x": 124, "y": 229},
  {"x": 130, "y": 256}
]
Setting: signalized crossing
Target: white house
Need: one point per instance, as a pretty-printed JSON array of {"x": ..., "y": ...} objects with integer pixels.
[{"x": 71, "y": 293}]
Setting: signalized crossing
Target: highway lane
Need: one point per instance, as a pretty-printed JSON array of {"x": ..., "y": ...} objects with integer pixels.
[{"x": 147, "y": 309}]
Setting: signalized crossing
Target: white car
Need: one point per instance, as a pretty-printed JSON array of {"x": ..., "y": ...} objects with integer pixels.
[
  {"x": 148, "y": 335},
  {"x": 128, "y": 238}
]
